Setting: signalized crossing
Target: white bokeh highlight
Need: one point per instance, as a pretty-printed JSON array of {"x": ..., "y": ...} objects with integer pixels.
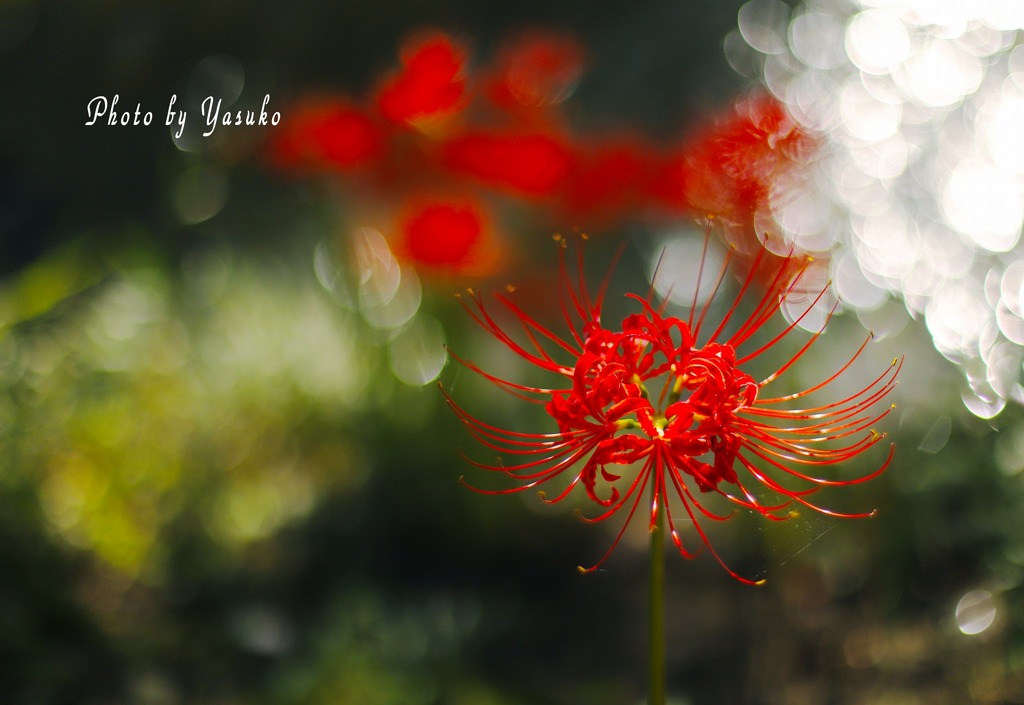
[{"x": 919, "y": 190}]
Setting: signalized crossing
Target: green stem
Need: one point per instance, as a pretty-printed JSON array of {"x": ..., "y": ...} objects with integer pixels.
[{"x": 656, "y": 614}]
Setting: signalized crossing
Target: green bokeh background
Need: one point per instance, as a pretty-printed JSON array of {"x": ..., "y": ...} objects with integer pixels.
[{"x": 214, "y": 490}]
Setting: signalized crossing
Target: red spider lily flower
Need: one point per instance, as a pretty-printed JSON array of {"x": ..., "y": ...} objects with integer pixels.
[
  {"x": 607, "y": 179},
  {"x": 431, "y": 85},
  {"x": 536, "y": 70},
  {"x": 327, "y": 133},
  {"x": 728, "y": 169},
  {"x": 533, "y": 164},
  {"x": 451, "y": 237},
  {"x": 665, "y": 408}
]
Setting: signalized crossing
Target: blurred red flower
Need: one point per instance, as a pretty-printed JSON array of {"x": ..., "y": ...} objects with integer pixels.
[
  {"x": 666, "y": 406},
  {"x": 728, "y": 169},
  {"x": 327, "y": 133},
  {"x": 532, "y": 164},
  {"x": 535, "y": 70},
  {"x": 607, "y": 180},
  {"x": 498, "y": 133},
  {"x": 448, "y": 236},
  {"x": 431, "y": 84}
]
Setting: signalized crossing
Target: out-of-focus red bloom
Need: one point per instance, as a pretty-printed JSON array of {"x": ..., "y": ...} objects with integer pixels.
[
  {"x": 728, "y": 169},
  {"x": 326, "y": 133},
  {"x": 665, "y": 408},
  {"x": 448, "y": 236},
  {"x": 530, "y": 164},
  {"x": 607, "y": 180},
  {"x": 431, "y": 84},
  {"x": 536, "y": 70}
]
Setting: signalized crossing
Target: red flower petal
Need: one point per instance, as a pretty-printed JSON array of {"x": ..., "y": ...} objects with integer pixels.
[
  {"x": 728, "y": 169},
  {"x": 532, "y": 164},
  {"x": 607, "y": 180},
  {"x": 449, "y": 237},
  {"x": 328, "y": 133},
  {"x": 536, "y": 70},
  {"x": 431, "y": 84}
]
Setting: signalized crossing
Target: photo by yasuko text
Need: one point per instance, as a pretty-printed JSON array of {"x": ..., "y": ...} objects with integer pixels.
[{"x": 104, "y": 111}]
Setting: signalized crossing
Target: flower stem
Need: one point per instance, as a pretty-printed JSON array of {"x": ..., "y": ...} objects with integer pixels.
[{"x": 656, "y": 615}]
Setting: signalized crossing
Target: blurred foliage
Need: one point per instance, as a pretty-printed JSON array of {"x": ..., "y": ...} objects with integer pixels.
[{"x": 215, "y": 490}]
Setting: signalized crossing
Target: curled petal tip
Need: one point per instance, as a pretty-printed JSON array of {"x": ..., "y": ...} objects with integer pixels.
[
  {"x": 759, "y": 583},
  {"x": 872, "y": 513},
  {"x": 584, "y": 571}
]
